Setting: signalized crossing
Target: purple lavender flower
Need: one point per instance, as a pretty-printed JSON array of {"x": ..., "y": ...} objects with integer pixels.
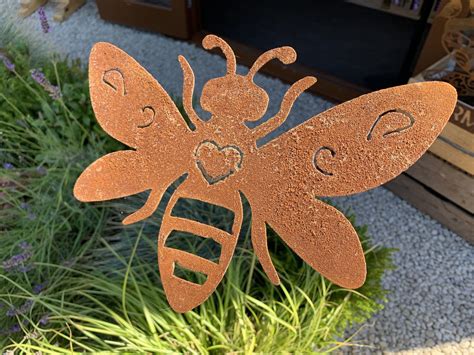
[
  {"x": 7, "y": 62},
  {"x": 15, "y": 329},
  {"x": 43, "y": 19},
  {"x": 25, "y": 245},
  {"x": 44, "y": 319},
  {"x": 11, "y": 312},
  {"x": 17, "y": 262},
  {"x": 41, "y": 79},
  {"x": 8, "y": 166},
  {"x": 24, "y": 308},
  {"x": 38, "y": 288}
]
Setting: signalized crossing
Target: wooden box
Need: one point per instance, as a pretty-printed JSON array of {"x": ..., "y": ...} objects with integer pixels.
[
  {"x": 441, "y": 183},
  {"x": 456, "y": 142},
  {"x": 440, "y": 190}
]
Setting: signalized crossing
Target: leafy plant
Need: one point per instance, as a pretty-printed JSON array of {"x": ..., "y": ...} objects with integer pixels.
[{"x": 74, "y": 279}]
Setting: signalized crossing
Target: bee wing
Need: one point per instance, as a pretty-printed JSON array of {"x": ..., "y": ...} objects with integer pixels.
[
  {"x": 131, "y": 106},
  {"x": 109, "y": 177},
  {"x": 350, "y": 148},
  {"x": 128, "y": 102},
  {"x": 320, "y": 234},
  {"x": 362, "y": 143},
  {"x": 126, "y": 173}
]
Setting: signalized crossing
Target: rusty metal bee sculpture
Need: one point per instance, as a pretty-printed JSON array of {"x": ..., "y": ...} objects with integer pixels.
[{"x": 350, "y": 148}]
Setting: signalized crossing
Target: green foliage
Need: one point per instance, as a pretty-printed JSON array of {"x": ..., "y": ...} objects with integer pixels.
[{"x": 74, "y": 279}]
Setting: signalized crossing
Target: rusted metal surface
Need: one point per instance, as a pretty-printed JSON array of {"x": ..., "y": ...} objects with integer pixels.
[{"x": 348, "y": 149}]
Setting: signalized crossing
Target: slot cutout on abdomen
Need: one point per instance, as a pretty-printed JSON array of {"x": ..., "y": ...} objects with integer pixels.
[
  {"x": 196, "y": 277},
  {"x": 203, "y": 212},
  {"x": 201, "y": 246}
]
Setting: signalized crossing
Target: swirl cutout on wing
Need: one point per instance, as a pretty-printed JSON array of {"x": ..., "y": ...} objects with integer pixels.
[
  {"x": 322, "y": 154},
  {"x": 115, "y": 79},
  {"x": 149, "y": 114},
  {"x": 385, "y": 119}
]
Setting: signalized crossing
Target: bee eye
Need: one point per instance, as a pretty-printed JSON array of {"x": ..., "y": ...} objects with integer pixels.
[{"x": 148, "y": 116}]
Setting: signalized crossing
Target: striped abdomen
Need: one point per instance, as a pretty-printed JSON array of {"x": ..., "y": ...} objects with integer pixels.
[{"x": 184, "y": 295}]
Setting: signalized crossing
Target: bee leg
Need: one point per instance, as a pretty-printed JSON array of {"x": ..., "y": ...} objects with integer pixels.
[
  {"x": 148, "y": 208},
  {"x": 260, "y": 246},
  {"x": 287, "y": 103},
  {"x": 188, "y": 90}
]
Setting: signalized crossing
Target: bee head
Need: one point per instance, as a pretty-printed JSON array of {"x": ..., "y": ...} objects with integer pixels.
[{"x": 237, "y": 96}]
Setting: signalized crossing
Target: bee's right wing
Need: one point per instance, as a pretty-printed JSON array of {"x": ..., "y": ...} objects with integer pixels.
[
  {"x": 350, "y": 148},
  {"x": 131, "y": 106}
]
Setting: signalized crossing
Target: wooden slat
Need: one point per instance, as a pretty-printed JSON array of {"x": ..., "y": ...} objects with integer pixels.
[
  {"x": 461, "y": 137},
  {"x": 455, "y": 185},
  {"x": 429, "y": 202},
  {"x": 453, "y": 155}
]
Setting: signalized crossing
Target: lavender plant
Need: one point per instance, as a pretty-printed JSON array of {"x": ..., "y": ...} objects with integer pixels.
[
  {"x": 41, "y": 152},
  {"x": 43, "y": 19},
  {"x": 7, "y": 62},
  {"x": 39, "y": 77}
]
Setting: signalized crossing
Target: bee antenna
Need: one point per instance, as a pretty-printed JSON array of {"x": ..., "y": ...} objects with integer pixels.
[
  {"x": 286, "y": 55},
  {"x": 210, "y": 41}
]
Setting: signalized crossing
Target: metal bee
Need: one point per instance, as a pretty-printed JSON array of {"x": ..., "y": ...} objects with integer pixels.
[{"x": 350, "y": 148}]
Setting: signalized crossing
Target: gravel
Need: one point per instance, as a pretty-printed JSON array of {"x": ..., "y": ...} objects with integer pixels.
[{"x": 432, "y": 289}]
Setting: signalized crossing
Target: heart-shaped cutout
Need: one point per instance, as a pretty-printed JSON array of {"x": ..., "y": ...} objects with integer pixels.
[{"x": 217, "y": 163}]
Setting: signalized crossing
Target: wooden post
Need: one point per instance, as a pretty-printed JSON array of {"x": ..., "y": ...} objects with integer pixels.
[{"x": 27, "y": 7}]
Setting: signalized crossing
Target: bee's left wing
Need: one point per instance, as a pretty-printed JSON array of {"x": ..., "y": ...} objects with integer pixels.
[
  {"x": 131, "y": 106},
  {"x": 350, "y": 148}
]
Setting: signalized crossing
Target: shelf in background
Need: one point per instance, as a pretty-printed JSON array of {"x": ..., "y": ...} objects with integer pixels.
[{"x": 398, "y": 10}]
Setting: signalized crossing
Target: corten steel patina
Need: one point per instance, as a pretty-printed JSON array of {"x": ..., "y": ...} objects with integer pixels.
[{"x": 350, "y": 148}]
